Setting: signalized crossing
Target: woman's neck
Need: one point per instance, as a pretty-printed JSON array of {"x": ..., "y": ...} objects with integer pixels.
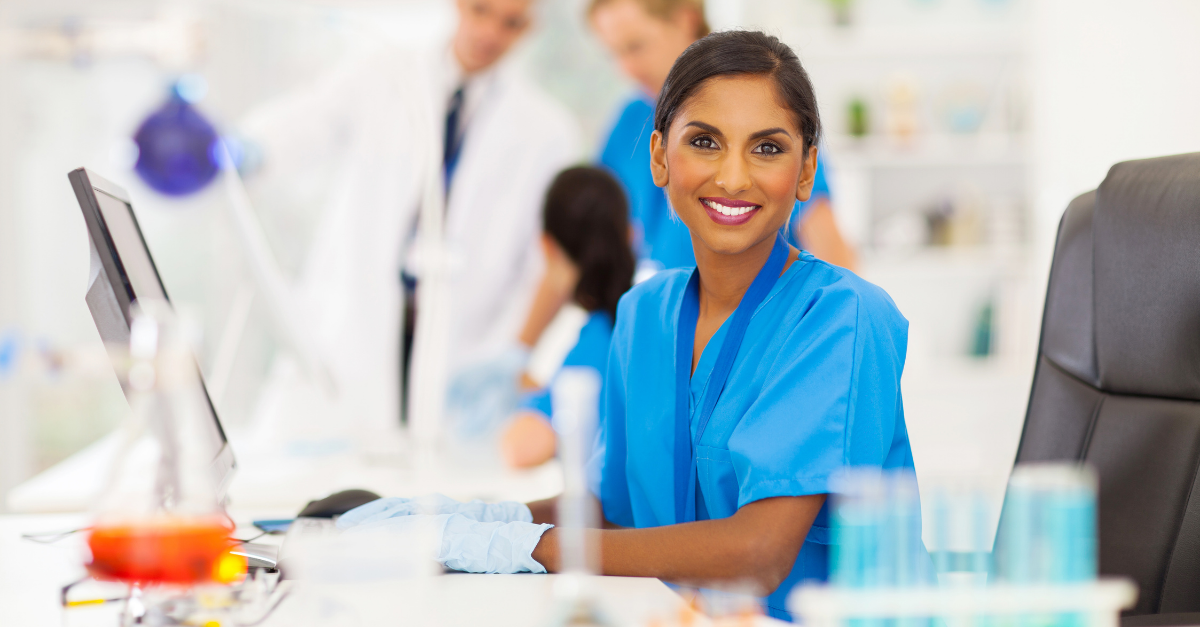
[{"x": 725, "y": 278}]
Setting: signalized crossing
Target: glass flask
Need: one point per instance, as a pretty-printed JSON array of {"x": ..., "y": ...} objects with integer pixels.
[{"x": 159, "y": 520}]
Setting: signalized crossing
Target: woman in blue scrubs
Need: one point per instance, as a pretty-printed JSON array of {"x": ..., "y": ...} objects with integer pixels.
[
  {"x": 645, "y": 37},
  {"x": 585, "y": 240},
  {"x": 735, "y": 390}
]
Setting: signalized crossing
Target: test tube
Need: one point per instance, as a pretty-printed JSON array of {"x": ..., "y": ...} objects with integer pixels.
[
  {"x": 575, "y": 398},
  {"x": 1048, "y": 529},
  {"x": 1048, "y": 533},
  {"x": 877, "y": 530}
]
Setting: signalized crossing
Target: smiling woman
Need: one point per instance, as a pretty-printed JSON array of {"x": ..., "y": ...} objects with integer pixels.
[{"x": 736, "y": 390}]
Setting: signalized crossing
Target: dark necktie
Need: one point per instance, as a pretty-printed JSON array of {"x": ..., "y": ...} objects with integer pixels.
[{"x": 452, "y": 145}]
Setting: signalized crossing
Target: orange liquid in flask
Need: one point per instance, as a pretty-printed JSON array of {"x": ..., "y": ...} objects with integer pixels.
[{"x": 168, "y": 550}]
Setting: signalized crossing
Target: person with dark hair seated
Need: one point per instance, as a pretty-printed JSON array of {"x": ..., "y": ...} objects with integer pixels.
[
  {"x": 735, "y": 391},
  {"x": 585, "y": 241}
]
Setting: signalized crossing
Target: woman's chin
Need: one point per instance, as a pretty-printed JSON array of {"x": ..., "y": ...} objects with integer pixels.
[{"x": 732, "y": 240}]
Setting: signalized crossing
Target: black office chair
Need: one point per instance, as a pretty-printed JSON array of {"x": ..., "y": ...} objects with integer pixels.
[{"x": 1118, "y": 374}]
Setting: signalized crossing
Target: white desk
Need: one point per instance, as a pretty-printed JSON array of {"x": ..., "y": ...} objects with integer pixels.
[
  {"x": 31, "y": 576},
  {"x": 281, "y": 479}
]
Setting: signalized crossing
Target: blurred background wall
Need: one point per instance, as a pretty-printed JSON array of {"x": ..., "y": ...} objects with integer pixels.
[{"x": 957, "y": 131}]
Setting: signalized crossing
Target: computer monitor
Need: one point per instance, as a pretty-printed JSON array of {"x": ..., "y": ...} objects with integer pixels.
[{"x": 124, "y": 271}]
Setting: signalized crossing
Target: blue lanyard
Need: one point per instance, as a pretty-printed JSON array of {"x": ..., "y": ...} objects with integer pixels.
[{"x": 689, "y": 311}]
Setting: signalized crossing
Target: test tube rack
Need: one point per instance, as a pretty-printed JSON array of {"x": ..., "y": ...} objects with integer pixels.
[{"x": 1095, "y": 603}]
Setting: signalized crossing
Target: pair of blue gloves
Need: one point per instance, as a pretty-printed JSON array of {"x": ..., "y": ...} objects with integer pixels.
[{"x": 473, "y": 537}]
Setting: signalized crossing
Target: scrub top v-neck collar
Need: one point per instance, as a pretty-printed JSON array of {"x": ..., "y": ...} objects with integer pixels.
[
  {"x": 692, "y": 416},
  {"x": 708, "y": 356}
]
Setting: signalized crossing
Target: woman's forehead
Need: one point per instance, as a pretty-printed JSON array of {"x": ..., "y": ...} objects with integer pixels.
[{"x": 743, "y": 101}]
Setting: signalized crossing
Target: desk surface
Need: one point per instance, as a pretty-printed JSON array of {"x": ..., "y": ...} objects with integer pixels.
[
  {"x": 31, "y": 576},
  {"x": 281, "y": 478}
]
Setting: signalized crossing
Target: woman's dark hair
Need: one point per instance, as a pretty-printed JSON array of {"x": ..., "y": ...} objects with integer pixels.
[
  {"x": 587, "y": 214},
  {"x": 739, "y": 53}
]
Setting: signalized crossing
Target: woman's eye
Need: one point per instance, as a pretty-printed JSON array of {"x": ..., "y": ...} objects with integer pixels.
[
  {"x": 768, "y": 149},
  {"x": 704, "y": 141}
]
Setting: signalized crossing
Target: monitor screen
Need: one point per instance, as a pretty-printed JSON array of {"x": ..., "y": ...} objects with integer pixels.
[{"x": 124, "y": 271}]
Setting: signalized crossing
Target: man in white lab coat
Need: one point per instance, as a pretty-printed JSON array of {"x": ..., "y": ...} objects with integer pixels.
[{"x": 496, "y": 141}]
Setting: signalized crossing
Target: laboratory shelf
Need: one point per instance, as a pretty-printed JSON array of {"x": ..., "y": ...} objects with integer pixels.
[{"x": 931, "y": 150}]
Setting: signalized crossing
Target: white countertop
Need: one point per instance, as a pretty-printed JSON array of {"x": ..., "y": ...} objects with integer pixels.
[{"x": 32, "y": 575}]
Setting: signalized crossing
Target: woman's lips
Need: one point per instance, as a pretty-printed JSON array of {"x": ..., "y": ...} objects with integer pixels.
[{"x": 729, "y": 212}]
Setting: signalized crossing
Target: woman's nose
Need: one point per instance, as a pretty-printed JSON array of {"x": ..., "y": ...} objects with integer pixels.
[{"x": 734, "y": 175}]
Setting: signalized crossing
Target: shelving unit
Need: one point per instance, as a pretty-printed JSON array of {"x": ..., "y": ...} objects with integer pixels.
[
  {"x": 965, "y": 156},
  {"x": 964, "y": 411}
]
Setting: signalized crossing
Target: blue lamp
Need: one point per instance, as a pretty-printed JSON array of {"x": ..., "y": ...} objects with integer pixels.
[{"x": 176, "y": 145}]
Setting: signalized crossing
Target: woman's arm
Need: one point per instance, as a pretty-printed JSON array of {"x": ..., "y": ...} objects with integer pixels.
[
  {"x": 757, "y": 544},
  {"x": 555, "y": 290},
  {"x": 820, "y": 236}
]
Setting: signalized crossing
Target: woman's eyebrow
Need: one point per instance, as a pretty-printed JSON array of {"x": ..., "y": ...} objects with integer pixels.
[
  {"x": 770, "y": 131},
  {"x": 708, "y": 128}
]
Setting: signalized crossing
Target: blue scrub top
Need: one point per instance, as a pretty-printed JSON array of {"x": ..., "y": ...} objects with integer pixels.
[
  {"x": 591, "y": 350},
  {"x": 815, "y": 388},
  {"x": 663, "y": 238}
]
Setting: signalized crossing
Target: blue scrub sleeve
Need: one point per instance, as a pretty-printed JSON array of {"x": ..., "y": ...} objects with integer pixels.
[
  {"x": 608, "y": 458},
  {"x": 538, "y": 401},
  {"x": 829, "y": 400},
  {"x": 591, "y": 350}
]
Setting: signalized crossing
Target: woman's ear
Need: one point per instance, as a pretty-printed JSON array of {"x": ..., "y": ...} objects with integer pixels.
[
  {"x": 808, "y": 174},
  {"x": 658, "y": 159}
]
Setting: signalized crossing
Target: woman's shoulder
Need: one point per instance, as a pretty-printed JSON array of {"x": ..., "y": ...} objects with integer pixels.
[
  {"x": 635, "y": 109},
  {"x": 598, "y": 328},
  {"x": 591, "y": 349},
  {"x": 626, "y": 130},
  {"x": 820, "y": 284},
  {"x": 654, "y": 295}
]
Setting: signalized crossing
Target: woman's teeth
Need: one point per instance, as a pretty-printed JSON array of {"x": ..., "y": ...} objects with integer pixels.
[{"x": 729, "y": 211}]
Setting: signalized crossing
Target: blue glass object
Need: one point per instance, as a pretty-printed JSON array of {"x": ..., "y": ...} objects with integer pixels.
[
  {"x": 1049, "y": 526},
  {"x": 877, "y": 531},
  {"x": 176, "y": 148},
  {"x": 877, "y": 537},
  {"x": 10, "y": 346}
]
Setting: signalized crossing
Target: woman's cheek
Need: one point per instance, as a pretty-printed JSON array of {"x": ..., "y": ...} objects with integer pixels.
[
  {"x": 779, "y": 184},
  {"x": 687, "y": 177}
]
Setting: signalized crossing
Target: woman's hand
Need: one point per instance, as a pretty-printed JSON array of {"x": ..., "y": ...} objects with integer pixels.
[
  {"x": 528, "y": 440},
  {"x": 757, "y": 545}
]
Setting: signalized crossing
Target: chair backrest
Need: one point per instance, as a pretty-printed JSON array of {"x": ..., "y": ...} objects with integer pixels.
[{"x": 1118, "y": 374}]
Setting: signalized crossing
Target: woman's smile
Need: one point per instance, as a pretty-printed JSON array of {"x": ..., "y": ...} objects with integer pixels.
[{"x": 729, "y": 212}]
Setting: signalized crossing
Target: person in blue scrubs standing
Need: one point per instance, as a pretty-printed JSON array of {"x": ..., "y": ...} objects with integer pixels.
[
  {"x": 645, "y": 37},
  {"x": 585, "y": 240},
  {"x": 737, "y": 390}
]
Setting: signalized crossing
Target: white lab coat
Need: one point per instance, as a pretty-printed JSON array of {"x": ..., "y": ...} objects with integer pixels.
[{"x": 371, "y": 118}]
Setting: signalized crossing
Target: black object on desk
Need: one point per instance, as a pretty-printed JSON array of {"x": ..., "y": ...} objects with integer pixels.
[
  {"x": 337, "y": 504},
  {"x": 1117, "y": 384}
]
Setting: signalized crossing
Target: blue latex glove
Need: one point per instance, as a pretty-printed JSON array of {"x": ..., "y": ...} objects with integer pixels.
[
  {"x": 483, "y": 395},
  {"x": 383, "y": 509},
  {"x": 469, "y": 545}
]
